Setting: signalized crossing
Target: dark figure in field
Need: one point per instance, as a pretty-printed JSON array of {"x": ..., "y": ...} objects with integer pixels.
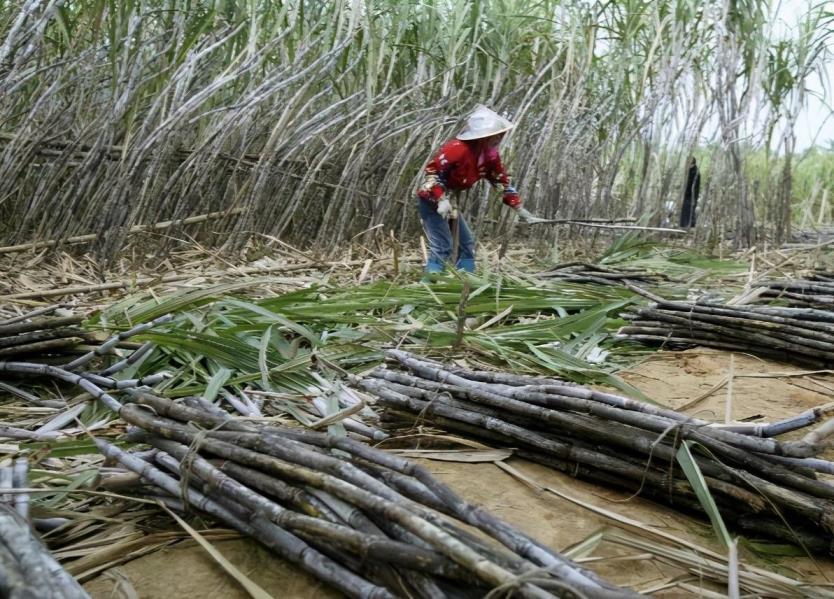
[{"x": 690, "y": 195}]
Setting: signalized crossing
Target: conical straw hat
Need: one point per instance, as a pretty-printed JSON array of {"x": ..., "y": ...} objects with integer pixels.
[{"x": 484, "y": 122}]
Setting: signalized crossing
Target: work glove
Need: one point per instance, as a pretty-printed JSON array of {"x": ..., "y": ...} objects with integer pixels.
[
  {"x": 512, "y": 199},
  {"x": 528, "y": 217},
  {"x": 444, "y": 208}
]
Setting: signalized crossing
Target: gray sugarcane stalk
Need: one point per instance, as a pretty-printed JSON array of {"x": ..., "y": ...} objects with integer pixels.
[
  {"x": 816, "y": 510},
  {"x": 511, "y": 538},
  {"x": 505, "y": 534},
  {"x": 677, "y": 338},
  {"x": 406, "y": 485},
  {"x": 806, "y": 418},
  {"x": 820, "y": 434},
  {"x": 299, "y": 453},
  {"x": 283, "y": 542},
  {"x": 130, "y": 360},
  {"x": 40, "y": 573},
  {"x": 32, "y": 314},
  {"x": 502, "y": 378},
  {"x": 521, "y": 393},
  {"x": 804, "y": 285},
  {"x": 110, "y": 383},
  {"x": 35, "y": 336},
  {"x": 572, "y": 449},
  {"x": 568, "y": 451},
  {"x": 6, "y": 483},
  {"x": 783, "y": 336},
  {"x": 12, "y": 583},
  {"x": 429, "y": 564},
  {"x": 40, "y": 346},
  {"x": 661, "y": 329},
  {"x": 440, "y": 540},
  {"x": 354, "y": 562},
  {"x": 813, "y": 464},
  {"x": 810, "y": 315},
  {"x": 317, "y": 503},
  {"x": 708, "y": 435},
  {"x": 111, "y": 343},
  {"x": 10, "y": 432},
  {"x": 681, "y": 326},
  {"x": 39, "y": 324},
  {"x": 28, "y": 397},
  {"x": 297, "y": 498},
  {"x": 26, "y": 368},
  {"x": 804, "y": 314},
  {"x": 167, "y": 461},
  {"x": 741, "y": 316},
  {"x": 358, "y": 520}
]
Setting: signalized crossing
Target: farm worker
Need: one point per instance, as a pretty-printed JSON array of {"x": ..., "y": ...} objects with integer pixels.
[{"x": 460, "y": 163}]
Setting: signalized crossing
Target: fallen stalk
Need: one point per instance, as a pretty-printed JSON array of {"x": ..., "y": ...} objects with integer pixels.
[{"x": 622, "y": 443}]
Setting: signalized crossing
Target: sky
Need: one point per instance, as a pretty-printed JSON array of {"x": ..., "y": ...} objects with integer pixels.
[{"x": 815, "y": 123}]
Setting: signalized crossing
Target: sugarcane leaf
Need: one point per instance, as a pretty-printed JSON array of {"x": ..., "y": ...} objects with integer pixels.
[
  {"x": 216, "y": 383},
  {"x": 262, "y": 356},
  {"x": 67, "y": 447},
  {"x": 764, "y": 548},
  {"x": 337, "y": 428},
  {"x": 78, "y": 481},
  {"x": 586, "y": 546},
  {"x": 179, "y": 301},
  {"x": 699, "y": 485},
  {"x": 295, "y": 327},
  {"x": 457, "y": 455}
]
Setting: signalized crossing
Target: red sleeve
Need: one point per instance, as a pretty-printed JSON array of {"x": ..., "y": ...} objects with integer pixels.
[
  {"x": 435, "y": 181},
  {"x": 497, "y": 175}
]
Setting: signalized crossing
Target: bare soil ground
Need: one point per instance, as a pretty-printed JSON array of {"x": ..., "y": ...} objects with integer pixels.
[{"x": 673, "y": 379}]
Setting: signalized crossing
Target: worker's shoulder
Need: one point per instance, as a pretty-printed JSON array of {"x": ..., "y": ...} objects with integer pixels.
[{"x": 454, "y": 148}]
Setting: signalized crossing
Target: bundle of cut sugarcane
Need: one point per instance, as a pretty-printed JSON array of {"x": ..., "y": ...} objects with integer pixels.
[
  {"x": 584, "y": 272},
  {"x": 27, "y": 569},
  {"x": 41, "y": 335},
  {"x": 816, "y": 291},
  {"x": 765, "y": 486},
  {"x": 366, "y": 522},
  {"x": 803, "y": 335}
]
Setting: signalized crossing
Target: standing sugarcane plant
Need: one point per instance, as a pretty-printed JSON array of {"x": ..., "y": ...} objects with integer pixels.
[{"x": 311, "y": 120}]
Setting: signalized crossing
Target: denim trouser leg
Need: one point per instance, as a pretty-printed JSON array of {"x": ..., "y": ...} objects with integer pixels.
[
  {"x": 439, "y": 234},
  {"x": 466, "y": 247}
]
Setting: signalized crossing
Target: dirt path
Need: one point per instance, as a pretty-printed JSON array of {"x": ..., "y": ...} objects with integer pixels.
[{"x": 673, "y": 379}]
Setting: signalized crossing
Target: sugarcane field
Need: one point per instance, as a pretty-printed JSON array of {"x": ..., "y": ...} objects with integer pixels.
[{"x": 394, "y": 299}]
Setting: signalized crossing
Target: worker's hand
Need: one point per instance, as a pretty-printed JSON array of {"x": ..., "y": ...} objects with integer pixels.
[
  {"x": 444, "y": 208},
  {"x": 512, "y": 199},
  {"x": 527, "y": 217}
]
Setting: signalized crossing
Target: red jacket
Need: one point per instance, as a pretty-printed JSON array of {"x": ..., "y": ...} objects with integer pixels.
[{"x": 459, "y": 165}]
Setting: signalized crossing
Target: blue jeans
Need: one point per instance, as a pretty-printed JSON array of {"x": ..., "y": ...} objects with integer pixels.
[{"x": 439, "y": 232}]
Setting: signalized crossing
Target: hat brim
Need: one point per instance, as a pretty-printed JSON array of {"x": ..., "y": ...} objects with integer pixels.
[{"x": 468, "y": 136}]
